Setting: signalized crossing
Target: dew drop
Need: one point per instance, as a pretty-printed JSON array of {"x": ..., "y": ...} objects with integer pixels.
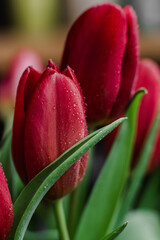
[{"x": 81, "y": 121}]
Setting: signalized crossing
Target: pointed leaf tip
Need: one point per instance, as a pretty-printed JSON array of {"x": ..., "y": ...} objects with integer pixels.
[{"x": 115, "y": 232}]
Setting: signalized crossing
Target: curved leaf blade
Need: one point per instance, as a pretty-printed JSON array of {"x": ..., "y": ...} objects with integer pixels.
[
  {"x": 36, "y": 189},
  {"x": 140, "y": 170},
  {"x": 115, "y": 233},
  {"x": 104, "y": 198},
  {"x": 143, "y": 225}
]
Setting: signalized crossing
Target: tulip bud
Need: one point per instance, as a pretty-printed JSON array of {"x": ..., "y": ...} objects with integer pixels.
[
  {"x": 102, "y": 48},
  {"x": 149, "y": 78},
  {"x": 6, "y": 207},
  {"x": 49, "y": 118}
]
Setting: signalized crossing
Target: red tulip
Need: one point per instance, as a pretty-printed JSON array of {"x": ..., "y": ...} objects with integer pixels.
[
  {"x": 20, "y": 61},
  {"x": 49, "y": 118},
  {"x": 102, "y": 48},
  {"x": 6, "y": 207},
  {"x": 149, "y": 78}
]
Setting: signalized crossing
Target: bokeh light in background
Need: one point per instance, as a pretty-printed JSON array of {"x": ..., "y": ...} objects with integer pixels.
[{"x": 42, "y": 26}]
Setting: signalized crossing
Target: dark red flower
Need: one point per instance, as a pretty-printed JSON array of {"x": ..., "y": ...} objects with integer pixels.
[
  {"x": 102, "y": 48},
  {"x": 49, "y": 118},
  {"x": 6, "y": 207},
  {"x": 149, "y": 78}
]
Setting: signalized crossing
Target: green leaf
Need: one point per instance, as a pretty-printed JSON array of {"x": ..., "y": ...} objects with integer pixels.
[
  {"x": 97, "y": 216},
  {"x": 115, "y": 233},
  {"x": 13, "y": 180},
  {"x": 149, "y": 198},
  {"x": 36, "y": 189},
  {"x": 143, "y": 225},
  {"x": 41, "y": 235},
  {"x": 140, "y": 170}
]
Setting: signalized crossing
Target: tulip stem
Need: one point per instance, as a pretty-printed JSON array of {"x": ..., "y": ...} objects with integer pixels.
[{"x": 61, "y": 222}]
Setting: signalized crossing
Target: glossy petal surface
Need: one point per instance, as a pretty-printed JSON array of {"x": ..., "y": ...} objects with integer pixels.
[
  {"x": 94, "y": 49},
  {"x": 130, "y": 63},
  {"x": 24, "y": 92},
  {"x": 6, "y": 207},
  {"x": 102, "y": 49},
  {"x": 55, "y": 120}
]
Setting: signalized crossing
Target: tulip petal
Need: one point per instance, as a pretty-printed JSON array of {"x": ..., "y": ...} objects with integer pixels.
[
  {"x": 6, "y": 207},
  {"x": 148, "y": 77},
  {"x": 24, "y": 91},
  {"x": 130, "y": 63},
  {"x": 70, "y": 73},
  {"x": 55, "y": 121},
  {"x": 31, "y": 82},
  {"x": 94, "y": 49}
]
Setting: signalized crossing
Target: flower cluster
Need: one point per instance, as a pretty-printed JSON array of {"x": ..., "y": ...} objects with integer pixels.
[{"x": 99, "y": 74}]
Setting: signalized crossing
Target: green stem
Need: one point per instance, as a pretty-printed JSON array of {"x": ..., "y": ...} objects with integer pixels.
[{"x": 59, "y": 212}]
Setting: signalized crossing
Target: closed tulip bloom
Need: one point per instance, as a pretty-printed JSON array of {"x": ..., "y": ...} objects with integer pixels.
[
  {"x": 49, "y": 118},
  {"x": 149, "y": 78},
  {"x": 6, "y": 207},
  {"x": 102, "y": 48}
]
